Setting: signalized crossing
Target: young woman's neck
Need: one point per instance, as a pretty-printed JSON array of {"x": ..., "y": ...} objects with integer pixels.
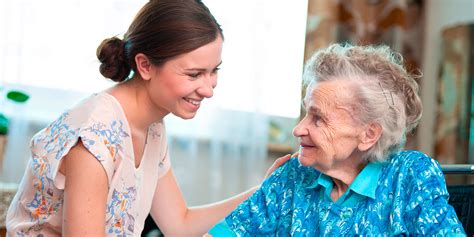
[{"x": 139, "y": 109}]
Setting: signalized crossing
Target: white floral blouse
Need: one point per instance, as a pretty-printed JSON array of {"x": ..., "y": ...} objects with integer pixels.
[{"x": 100, "y": 123}]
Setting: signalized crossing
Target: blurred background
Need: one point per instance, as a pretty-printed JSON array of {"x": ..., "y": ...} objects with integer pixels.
[{"x": 47, "y": 51}]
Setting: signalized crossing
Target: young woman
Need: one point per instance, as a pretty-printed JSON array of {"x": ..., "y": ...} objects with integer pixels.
[{"x": 103, "y": 166}]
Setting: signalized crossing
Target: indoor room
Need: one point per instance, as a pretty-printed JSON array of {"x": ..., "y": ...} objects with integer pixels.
[{"x": 49, "y": 64}]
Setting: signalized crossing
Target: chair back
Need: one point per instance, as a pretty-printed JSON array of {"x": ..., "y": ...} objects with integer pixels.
[{"x": 461, "y": 197}]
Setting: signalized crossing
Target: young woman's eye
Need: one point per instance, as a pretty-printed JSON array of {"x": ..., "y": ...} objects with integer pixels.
[
  {"x": 194, "y": 75},
  {"x": 215, "y": 70}
]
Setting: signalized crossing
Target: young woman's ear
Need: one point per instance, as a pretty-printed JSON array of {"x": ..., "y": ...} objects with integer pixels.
[
  {"x": 144, "y": 66},
  {"x": 370, "y": 136}
]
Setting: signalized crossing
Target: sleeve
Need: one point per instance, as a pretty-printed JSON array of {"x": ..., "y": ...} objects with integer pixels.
[
  {"x": 104, "y": 145},
  {"x": 221, "y": 229},
  {"x": 50, "y": 146},
  {"x": 428, "y": 211},
  {"x": 262, "y": 212}
]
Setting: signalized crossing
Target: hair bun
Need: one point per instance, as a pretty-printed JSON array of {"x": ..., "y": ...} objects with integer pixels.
[{"x": 112, "y": 57}]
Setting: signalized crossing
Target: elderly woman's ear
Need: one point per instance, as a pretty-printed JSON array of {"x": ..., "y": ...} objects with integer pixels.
[{"x": 369, "y": 136}]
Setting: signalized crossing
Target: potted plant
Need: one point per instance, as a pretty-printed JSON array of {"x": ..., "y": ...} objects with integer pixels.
[{"x": 17, "y": 97}]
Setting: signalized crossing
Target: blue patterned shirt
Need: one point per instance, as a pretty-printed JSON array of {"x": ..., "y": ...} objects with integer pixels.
[
  {"x": 364, "y": 185},
  {"x": 410, "y": 197}
]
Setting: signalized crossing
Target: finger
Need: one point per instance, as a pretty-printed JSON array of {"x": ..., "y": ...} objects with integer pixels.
[
  {"x": 285, "y": 158},
  {"x": 281, "y": 160},
  {"x": 295, "y": 155},
  {"x": 278, "y": 162}
]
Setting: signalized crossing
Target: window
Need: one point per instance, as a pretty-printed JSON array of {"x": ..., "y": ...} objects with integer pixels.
[{"x": 52, "y": 43}]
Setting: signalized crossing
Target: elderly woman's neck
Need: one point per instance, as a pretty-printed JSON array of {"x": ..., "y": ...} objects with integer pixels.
[{"x": 344, "y": 176}]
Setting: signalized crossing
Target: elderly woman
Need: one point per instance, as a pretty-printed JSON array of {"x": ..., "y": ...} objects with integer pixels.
[{"x": 351, "y": 176}]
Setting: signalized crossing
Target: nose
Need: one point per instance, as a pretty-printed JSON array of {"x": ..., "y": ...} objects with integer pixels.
[
  {"x": 300, "y": 129},
  {"x": 207, "y": 87}
]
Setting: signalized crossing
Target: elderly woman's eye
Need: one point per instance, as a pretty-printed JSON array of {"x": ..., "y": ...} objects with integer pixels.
[{"x": 317, "y": 120}]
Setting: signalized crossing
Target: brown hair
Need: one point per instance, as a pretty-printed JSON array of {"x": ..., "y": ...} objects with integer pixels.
[{"x": 161, "y": 30}]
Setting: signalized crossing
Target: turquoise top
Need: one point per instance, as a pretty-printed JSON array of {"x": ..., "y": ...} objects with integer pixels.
[
  {"x": 406, "y": 195},
  {"x": 364, "y": 185}
]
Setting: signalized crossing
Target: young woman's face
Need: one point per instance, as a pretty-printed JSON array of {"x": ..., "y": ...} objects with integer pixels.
[
  {"x": 328, "y": 134},
  {"x": 181, "y": 84}
]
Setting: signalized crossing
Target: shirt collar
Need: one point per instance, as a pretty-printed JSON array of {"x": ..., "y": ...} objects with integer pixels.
[
  {"x": 364, "y": 184},
  {"x": 322, "y": 180}
]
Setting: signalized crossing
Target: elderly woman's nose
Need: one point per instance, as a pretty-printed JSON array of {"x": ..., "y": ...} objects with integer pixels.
[{"x": 300, "y": 129}]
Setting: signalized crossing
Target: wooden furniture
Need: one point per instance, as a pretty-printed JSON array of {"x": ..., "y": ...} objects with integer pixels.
[{"x": 7, "y": 192}]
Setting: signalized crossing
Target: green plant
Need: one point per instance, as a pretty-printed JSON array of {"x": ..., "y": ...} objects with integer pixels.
[{"x": 15, "y": 96}]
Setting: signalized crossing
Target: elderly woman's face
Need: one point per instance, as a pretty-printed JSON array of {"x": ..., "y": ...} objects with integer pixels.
[{"x": 328, "y": 134}]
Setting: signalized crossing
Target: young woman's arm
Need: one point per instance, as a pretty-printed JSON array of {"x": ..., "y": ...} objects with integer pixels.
[
  {"x": 174, "y": 218},
  {"x": 85, "y": 193}
]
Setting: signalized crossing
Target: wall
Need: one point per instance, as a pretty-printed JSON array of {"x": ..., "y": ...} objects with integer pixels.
[{"x": 439, "y": 14}]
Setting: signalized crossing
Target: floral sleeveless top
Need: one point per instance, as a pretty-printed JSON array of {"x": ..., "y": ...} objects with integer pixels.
[{"x": 100, "y": 123}]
